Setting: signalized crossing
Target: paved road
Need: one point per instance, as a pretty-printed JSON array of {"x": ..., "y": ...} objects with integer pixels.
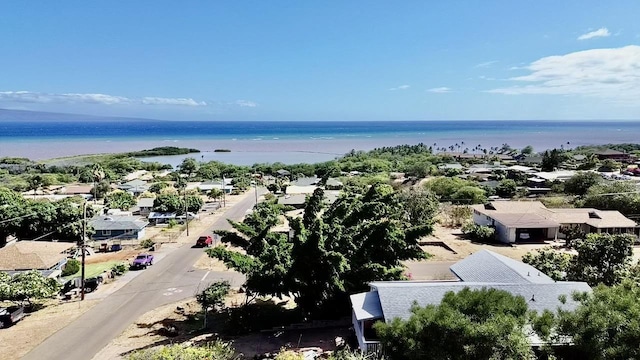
[{"x": 169, "y": 280}]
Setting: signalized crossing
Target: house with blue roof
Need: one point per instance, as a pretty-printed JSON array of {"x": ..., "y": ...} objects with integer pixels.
[{"x": 388, "y": 300}]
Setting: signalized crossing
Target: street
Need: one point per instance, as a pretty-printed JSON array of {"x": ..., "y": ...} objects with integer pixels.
[{"x": 169, "y": 280}]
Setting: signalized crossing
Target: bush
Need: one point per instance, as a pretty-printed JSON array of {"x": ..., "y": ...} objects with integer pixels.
[
  {"x": 172, "y": 223},
  {"x": 119, "y": 269},
  {"x": 215, "y": 351},
  {"x": 479, "y": 232},
  {"x": 72, "y": 267},
  {"x": 147, "y": 243}
]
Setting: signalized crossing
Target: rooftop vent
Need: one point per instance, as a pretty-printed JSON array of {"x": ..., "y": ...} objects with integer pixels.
[{"x": 594, "y": 215}]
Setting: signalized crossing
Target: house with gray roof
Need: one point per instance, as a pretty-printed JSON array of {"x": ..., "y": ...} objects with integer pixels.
[
  {"x": 388, "y": 300},
  {"x": 118, "y": 228}
]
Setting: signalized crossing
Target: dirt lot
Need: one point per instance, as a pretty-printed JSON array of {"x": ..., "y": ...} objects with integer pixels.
[
  {"x": 463, "y": 247},
  {"x": 36, "y": 327},
  {"x": 147, "y": 332}
]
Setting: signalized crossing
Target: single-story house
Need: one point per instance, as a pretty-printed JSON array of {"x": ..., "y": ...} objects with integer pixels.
[
  {"x": 306, "y": 181},
  {"x": 296, "y": 201},
  {"x": 559, "y": 175},
  {"x": 388, "y": 300},
  {"x": 118, "y": 228},
  {"x": 516, "y": 221},
  {"x": 333, "y": 184},
  {"x": 207, "y": 186},
  {"x": 136, "y": 187},
  {"x": 46, "y": 256},
  {"x": 609, "y": 154},
  {"x": 144, "y": 206},
  {"x": 82, "y": 190}
]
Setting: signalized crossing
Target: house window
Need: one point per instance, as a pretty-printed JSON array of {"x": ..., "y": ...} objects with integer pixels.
[
  {"x": 129, "y": 232},
  {"x": 106, "y": 232}
]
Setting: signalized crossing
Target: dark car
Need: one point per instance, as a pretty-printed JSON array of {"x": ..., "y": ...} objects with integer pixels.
[
  {"x": 90, "y": 284},
  {"x": 10, "y": 315},
  {"x": 204, "y": 241},
  {"x": 142, "y": 261}
]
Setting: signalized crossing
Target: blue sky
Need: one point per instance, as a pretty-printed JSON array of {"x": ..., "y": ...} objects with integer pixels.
[{"x": 323, "y": 60}]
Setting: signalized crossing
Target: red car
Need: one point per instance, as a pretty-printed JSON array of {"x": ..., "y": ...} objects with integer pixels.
[{"x": 204, "y": 241}]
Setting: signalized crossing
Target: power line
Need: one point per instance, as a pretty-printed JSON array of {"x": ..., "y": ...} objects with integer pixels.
[{"x": 17, "y": 217}]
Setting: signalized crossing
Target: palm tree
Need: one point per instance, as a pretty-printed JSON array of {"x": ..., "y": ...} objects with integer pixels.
[
  {"x": 98, "y": 174},
  {"x": 35, "y": 182}
]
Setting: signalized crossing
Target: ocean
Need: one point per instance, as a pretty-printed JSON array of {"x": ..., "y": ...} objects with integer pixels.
[{"x": 293, "y": 142}]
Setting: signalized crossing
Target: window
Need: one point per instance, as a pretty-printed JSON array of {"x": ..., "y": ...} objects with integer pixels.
[{"x": 106, "y": 232}]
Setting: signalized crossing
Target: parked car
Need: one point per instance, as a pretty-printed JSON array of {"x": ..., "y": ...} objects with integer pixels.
[
  {"x": 90, "y": 284},
  {"x": 204, "y": 241},
  {"x": 142, "y": 261},
  {"x": 10, "y": 315}
]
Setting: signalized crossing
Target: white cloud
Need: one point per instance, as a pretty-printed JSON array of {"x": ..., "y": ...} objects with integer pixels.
[
  {"x": 245, "y": 103},
  {"x": 440, "y": 90},
  {"x": 602, "y": 32},
  {"x": 612, "y": 74},
  {"x": 172, "y": 101},
  {"x": 103, "y": 99},
  {"x": 486, "y": 64},
  {"x": 401, "y": 87}
]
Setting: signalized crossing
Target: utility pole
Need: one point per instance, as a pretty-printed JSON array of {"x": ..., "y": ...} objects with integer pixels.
[
  {"x": 82, "y": 247},
  {"x": 186, "y": 209},
  {"x": 255, "y": 187},
  {"x": 224, "y": 198}
]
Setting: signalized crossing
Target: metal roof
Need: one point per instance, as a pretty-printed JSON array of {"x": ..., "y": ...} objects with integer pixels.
[{"x": 118, "y": 223}]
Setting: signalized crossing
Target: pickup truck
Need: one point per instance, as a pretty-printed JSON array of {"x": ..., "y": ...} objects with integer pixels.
[
  {"x": 142, "y": 261},
  {"x": 10, "y": 315}
]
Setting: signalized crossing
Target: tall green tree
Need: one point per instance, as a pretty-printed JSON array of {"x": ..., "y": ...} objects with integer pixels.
[
  {"x": 188, "y": 166},
  {"x": 470, "y": 324},
  {"x": 613, "y": 195},
  {"x": 606, "y": 324},
  {"x": 120, "y": 200},
  {"x": 580, "y": 183},
  {"x": 602, "y": 258},
  {"x": 12, "y": 210}
]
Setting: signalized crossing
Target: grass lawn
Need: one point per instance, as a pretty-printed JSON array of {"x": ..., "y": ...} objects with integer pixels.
[{"x": 96, "y": 269}]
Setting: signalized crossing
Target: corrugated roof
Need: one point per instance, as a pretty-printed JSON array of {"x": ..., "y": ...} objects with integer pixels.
[
  {"x": 397, "y": 298},
  {"x": 366, "y": 306},
  {"x": 39, "y": 255},
  {"x": 487, "y": 266}
]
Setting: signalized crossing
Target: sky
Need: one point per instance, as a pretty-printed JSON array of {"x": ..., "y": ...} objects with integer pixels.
[{"x": 323, "y": 60}]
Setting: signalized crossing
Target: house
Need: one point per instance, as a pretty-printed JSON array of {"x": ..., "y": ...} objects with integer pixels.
[
  {"x": 46, "y": 256},
  {"x": 144, "y": 206},
  {"x": 558, "y": 175},
  {"x": 118, "y": 228},
  {"x": 296, "y": 201},
  {"x": 283, "y": 173},
  {"x": 608, "y": 154},
  {"x": 85, "y": 191},
  {"x": 333, "y": 184},
  {"x": 135, "y": 187},
  {"x": 388, "y": 300},
  {"x": 516, "y": 221},
  {"x": 157, "y": 218},
  {"x": 207, "y": 186}
]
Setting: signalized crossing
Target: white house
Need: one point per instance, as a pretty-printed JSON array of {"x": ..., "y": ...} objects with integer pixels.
[{"x": 531, "y": 221}]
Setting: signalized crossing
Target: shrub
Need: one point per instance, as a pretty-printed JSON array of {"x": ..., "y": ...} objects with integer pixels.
[
  {"x": 479, "y": 232},
  {"x": 119, "y": 269},
  {"x": 215, "y": 351},
  {"x": 172, "y": 223},
  {"x": 72, "y": 267},
  {"x": 147, "y": 243}
]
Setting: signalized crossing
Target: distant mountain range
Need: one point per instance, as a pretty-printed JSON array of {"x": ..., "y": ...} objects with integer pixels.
[{"x": 31, "y": 116}]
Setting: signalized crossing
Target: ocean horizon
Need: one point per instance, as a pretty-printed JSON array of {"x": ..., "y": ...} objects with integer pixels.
[{"x": 296, "y": 141}]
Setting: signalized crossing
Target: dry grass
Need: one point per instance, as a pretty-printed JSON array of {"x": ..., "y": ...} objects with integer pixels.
[{"x": 19, "y": 339}]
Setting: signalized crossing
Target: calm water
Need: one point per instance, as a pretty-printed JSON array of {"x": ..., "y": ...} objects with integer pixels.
[{"x": 290, "y": 142}]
